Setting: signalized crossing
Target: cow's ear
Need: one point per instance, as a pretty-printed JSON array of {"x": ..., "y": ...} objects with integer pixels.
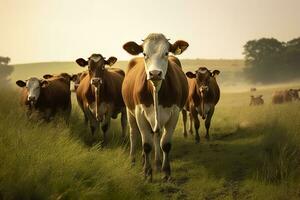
[
  {"x": 21, "y": 83},
  {"x": 74, "y": 77},
  {"x": 81, "y": 62},
  {"x": 111, "y": 60},
  {"x": 190, "y": 75},
  {"x": 46, "y": 76},
  {"x": 215, "y": 72},
  {"x": 44, "y": 83},
  {"x": 178, "y": 47},
  {"x": 133, "y": 48},
  {"x": 260, "y": 96}
]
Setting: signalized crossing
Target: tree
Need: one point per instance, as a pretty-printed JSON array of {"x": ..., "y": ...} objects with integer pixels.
[{"x": 269, "y": 60}]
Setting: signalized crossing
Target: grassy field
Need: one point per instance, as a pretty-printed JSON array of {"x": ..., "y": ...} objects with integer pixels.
[{"x": 254, "y": 152}]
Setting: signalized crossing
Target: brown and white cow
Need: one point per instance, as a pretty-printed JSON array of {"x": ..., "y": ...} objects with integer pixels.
[
  {"x": 154, "y": 90},
  {"x": 282, "y": 96},
  {"x": 204, "y": 94},
  {"x": 46, "y": 97},
  {"x": 99, "y": 94},
  {"x": 76, "y": 78}
]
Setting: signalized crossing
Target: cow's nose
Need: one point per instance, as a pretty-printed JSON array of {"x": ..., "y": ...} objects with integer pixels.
[
  {"x": 96, "y": 81},
  {"x": 155, "y": 75},
  {"x": 31, "y": 98},
  {"x": 204, "y": 89}
]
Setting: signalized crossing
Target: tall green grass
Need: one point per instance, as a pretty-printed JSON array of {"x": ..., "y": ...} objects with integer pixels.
[
  {"x": 254, "y": 153},
  {"x": 45, "y": 161}
]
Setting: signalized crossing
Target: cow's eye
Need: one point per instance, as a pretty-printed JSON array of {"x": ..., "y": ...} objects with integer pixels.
[
  {"x": 167, "y": 53},
  {"x": 145, "y": 56}
]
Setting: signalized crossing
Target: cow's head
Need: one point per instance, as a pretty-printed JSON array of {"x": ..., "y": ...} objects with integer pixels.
[
  {"x": 96, "y": 66},
  {"x": 33, "y": 87},
  {"x": 202, "y": 76},
  {"x": 155, "y": 49}
]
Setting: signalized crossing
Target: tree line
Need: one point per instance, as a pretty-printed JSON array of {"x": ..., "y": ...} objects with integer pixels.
[{"x": 268, "y": 60}]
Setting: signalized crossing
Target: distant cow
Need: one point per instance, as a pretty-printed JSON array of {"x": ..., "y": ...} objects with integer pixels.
[
  {"x": 204, "y": 94},
  {"x": 46, "y": 97},
  {"x": 154, "y": 90},
  {"x": 99, "y": 94},
  {"x": 4, "y": 60},
  {"x": 76, "y": 78},
  {"x": 283, "y": 96},
  {"x": 253, "y": 89},
  {"x": 294, "y": 94},
  {"x": 255, "y": 101}
]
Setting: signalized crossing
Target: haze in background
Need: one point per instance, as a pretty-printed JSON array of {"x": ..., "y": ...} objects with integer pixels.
[{"x": 59, "y": 30}]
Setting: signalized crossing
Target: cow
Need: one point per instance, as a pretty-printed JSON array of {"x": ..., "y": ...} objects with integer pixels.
[
  {"x": 154, "y": 90},
  {"x": 294, "y": 94},
  {"x": 253, "y": 89},
  {"x": 279, "y": 97},
  {"x": 99, "y": 94},
  {"x": 4, "y": 60},
  {"x": 76, "y": 78},
  {"x": 255, "y": 101},
  {"x": 204, "y": 94},
  {"x": 46, "y": 97},
  {"x": 63, "y": 76}
]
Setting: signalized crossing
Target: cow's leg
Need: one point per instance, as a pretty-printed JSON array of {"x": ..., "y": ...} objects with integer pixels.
[
  {"x": 207, "y": 121},
  {"x": 196, "y": 125},
  {"x": 105, "y": 127},
  {"x": 157, "y": 156},
  {"x": 124, "y": 122},
  {"x": 191, "y": 123},
  {"x": 166, "y": 144},
  {"x": 147, "y": 141},
  {"x": 133, "y": 133},
  {"x": 184, "y": 119}
]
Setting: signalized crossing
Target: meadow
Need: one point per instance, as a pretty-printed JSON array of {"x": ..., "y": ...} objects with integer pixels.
[{"x": 253, "y": 153}]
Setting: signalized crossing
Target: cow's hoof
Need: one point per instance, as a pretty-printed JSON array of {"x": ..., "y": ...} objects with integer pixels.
[
  {"x": 207, "y": 137},
  {"x": 197, "y": 139},
  {"x": 166, "y": 179},
  {"x": 185, "y": 135}
]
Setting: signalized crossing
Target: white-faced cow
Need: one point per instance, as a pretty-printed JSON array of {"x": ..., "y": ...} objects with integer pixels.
[
  {"x": 99, "y": 94},
  {"x": 204, "y": 94},
  {"x": 46, "y": 97},
  {"x": 154, "y": 90}
]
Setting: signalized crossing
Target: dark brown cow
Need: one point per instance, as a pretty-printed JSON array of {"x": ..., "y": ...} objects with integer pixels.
[
  {"x": 99, "y": 94},
  {"x": 255, "y": 101},
  {"x": 280, "y": 97},
  {"x": 47, "y": 97},
  {"x": 204, "y": 94},
  {"x": 154, "y": 90}
]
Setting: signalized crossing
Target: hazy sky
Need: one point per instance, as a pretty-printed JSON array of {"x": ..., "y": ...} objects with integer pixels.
[{"x": 59, "y": 30}]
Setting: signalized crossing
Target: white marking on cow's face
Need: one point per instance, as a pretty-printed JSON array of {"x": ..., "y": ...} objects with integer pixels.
[
  {"x": 34, "y": 89},
  {"x": 95, "y": 58},
  {"x": 156, "y": 50}
]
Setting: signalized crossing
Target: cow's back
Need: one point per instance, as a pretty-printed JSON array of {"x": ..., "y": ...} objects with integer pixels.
[{"x": 57, "y": 94}]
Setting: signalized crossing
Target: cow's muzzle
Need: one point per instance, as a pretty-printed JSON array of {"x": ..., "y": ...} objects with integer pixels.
[
  {"x": 96, "y": 81},
  {"x": 155, "y": 75}
]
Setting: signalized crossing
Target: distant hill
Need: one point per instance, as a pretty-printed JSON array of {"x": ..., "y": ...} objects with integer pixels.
[
  {"x": 231, "y": 70},
  {"x": 23, "y": 71}
]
